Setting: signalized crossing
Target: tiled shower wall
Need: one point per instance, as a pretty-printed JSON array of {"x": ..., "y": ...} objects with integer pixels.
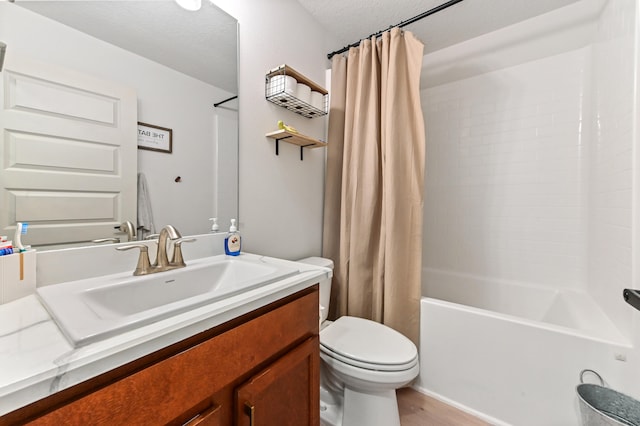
[
  {"x": 610, "y": 185},
  {"x": 505, "y": 173},
  {"x": 529, "y": 169}
]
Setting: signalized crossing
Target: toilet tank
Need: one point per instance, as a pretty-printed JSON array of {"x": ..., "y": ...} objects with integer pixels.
[{"x": 325, "y": 285}]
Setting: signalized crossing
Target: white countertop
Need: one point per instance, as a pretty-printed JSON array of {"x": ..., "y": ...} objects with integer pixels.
[{"x": 36, "y": 360}]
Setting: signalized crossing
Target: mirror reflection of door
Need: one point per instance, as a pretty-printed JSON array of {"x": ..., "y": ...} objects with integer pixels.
[{"x": 68, "y": 153}]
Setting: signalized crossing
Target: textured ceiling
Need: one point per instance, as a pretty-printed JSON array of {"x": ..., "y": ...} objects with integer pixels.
[
  {"x": 353, "y": 20},
  {"x": 201, "y": 44}
]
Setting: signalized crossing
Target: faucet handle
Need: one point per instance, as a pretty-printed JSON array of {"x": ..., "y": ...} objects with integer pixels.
[
  {"x": 177, "y": 258},
  {"x": 106, "y": 240},
  {"x": 144, "y": 264},
  {"x": 152, "y": 237}
]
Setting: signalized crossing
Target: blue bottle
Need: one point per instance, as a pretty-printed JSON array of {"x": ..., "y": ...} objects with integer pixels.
[{"x": 233, "y": 241}]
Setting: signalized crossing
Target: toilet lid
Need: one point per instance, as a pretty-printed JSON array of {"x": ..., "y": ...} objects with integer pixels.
[{"x": 366, "y": 343}]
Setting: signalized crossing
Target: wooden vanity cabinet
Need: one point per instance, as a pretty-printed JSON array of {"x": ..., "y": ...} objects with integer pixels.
[{"x": 260, "y": 369}]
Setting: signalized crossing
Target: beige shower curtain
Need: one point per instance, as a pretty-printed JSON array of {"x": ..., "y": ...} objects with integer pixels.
[{"x": 374, "y": 184}]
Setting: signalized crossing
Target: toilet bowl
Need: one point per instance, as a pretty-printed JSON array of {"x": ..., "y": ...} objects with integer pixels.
[{"x": 362, "y": 365}]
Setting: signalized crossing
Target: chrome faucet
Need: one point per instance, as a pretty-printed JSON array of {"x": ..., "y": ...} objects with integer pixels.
[{"x": 167, "y": 235}]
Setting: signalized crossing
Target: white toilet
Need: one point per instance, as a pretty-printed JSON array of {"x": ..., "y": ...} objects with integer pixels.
[{"x": 363, "y": 363}]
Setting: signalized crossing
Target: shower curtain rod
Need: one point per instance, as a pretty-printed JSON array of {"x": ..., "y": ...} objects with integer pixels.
[
  {"x": 436, "y": 9},
  {"x": 216, "y": 105}
]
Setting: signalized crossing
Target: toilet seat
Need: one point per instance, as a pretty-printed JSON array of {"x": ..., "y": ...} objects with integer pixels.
[
  {"x": 367, "y": 344},
  {"x": 368, "y": 365}
]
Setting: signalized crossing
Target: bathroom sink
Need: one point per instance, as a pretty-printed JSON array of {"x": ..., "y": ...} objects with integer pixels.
[{"x": 93, "y": 309}]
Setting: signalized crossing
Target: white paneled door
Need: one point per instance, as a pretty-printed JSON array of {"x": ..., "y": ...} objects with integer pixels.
[{"x": 68, "y": 153}]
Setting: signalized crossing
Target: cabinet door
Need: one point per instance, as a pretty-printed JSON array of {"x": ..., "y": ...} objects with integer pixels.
[{"x": 285, "y": 393}]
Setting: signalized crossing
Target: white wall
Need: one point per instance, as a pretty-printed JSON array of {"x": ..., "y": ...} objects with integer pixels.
[
  {"x": 281, "y": 197},
  {"x": 165, "y": 98}
]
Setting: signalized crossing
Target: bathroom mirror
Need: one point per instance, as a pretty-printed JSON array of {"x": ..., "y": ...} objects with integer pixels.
[{"x": 179, "y": 63}]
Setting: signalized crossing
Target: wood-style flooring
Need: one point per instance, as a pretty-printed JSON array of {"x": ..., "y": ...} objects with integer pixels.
[{"x": 417, "y": 409}]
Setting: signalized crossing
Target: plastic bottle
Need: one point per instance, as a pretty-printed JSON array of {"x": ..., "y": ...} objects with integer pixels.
[
  {"x": 214, "y": 224},
  {"x": 233, "y": 241}
]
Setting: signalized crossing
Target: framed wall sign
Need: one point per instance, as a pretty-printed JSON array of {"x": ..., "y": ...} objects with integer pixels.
[{"x": 154, "y": 138}]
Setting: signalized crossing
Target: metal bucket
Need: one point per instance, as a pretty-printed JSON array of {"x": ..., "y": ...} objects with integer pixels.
[{"x": 602, "y": 406}]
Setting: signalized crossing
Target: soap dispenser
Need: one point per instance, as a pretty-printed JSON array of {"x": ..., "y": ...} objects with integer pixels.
[
  {"x": 214, "y": 224},
  {"x": 232, "y": 242}
]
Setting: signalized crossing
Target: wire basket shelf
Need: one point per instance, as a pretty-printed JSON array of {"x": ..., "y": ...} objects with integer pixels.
[{"x": 280, "y": 89}]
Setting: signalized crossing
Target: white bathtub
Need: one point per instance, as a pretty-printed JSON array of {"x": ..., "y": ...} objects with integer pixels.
[{"x": 511, "y": 353}]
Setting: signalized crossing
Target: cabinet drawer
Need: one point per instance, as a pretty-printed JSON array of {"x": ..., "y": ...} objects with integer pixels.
[{"x": 166, "y": 390}]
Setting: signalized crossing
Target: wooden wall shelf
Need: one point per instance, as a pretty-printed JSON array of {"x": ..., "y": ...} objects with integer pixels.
[
  {"x": 296, "y": 139},
  {"x": 300, "y": 78}
]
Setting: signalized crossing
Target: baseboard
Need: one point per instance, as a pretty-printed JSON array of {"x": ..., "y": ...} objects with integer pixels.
[{"x": 482, "y": 416}]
